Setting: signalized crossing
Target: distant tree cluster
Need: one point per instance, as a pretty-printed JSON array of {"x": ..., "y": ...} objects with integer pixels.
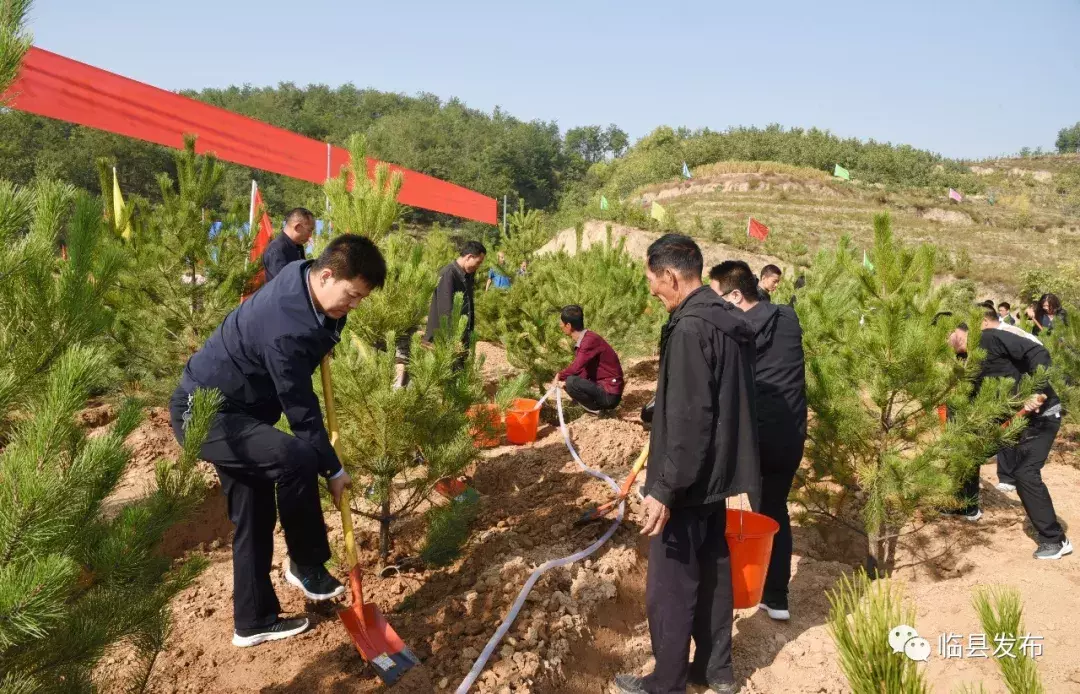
[{"x": 1068, "y": 139}]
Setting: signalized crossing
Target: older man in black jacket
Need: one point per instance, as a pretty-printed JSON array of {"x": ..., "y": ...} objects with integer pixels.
[
  {"x": 261, "y": 359},
  {"x": 703, "y": 449},
  {"x": 459, "y": 277}
]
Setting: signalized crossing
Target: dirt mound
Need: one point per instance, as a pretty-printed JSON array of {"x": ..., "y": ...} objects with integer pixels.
[
  {"x": 584, "y": 623},
  {"x": 945, "y": 216},
  {"x": 637, "y": 242},
  {"x": 737, "y": 183}
]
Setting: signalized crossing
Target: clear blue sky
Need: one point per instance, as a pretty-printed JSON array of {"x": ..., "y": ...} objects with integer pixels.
[{"x": 963, "y": 78}]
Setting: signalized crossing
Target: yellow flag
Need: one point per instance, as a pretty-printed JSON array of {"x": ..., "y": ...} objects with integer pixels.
[
  {"x": 118, "y": 207},
  {"x": 658, "y": 213}
]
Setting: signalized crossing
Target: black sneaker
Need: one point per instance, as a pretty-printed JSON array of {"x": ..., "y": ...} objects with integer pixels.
[
  {"x": 1053, "y": 550},
  {"x": 281, "y": 629},
  {"x": 717, "y": 688},
  {"x": 630, "y": 684},
  {"x": 776, "y": 609},
  {"x": 972, "y": 515},
  {"x": 315, "y": 581}
]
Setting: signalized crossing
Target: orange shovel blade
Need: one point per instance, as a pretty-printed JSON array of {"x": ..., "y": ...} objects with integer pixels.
[{"x": 374, "y": 638}]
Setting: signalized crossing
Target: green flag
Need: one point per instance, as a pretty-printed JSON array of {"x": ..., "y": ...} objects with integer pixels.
[
  {"x": 866, "y": 262},
  {"x": 603, "y": 203},
  {"x": 841, "y": 172}
]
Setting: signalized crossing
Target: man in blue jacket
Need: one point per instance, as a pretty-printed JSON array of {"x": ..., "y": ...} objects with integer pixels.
[
  {"x": 261, "y": 358},
  {"x": 288, "y": 246}
]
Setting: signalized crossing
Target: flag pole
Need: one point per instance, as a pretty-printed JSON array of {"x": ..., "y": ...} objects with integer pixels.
[
  {"x": 251, "y": 218},
  {"x": 748, "y": 226}
]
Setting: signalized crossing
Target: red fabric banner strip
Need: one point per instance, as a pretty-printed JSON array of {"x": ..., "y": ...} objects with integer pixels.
[{"x": 58, "y": 87}]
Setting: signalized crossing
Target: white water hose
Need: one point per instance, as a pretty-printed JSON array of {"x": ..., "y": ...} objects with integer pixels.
[{"x": 478, "y": 666}]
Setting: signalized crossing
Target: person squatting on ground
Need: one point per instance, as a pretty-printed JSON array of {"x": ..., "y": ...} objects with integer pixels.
[
  {"x": 288, "y": 246},
  {"x": 261, "y": 358},
  {"x": 1012, "y": 356},
  {"x": 780, "y": 380},
  {"x": 594, "y": 379},
  {"x": 459, "y": 277},
  {"x": 703, "y": 449}
]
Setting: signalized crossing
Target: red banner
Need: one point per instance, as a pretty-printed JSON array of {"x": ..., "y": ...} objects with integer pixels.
[{"x": 58, "y": 87}]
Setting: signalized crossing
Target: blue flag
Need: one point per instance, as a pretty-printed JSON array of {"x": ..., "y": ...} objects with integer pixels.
[{"x": 686, "y": 171}]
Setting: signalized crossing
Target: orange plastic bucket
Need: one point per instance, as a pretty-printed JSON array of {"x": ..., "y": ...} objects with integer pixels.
[
  {"x": 943, "y": 415},
  {"x": 487, "y": 424},
  {"x": 749, "y": 537},
  {"x": 522, "y": 421}
]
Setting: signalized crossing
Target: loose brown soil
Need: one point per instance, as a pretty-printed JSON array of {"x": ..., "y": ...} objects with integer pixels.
[{"x": 583, "y": 624}]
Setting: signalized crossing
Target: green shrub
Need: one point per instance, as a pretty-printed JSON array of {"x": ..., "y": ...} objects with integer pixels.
[{"x": 448, "y": 529}]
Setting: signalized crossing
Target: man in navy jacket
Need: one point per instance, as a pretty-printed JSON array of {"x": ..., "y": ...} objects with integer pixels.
[
  {"x": 261, "y": 359},
  {"x": 288, "y": 246}
]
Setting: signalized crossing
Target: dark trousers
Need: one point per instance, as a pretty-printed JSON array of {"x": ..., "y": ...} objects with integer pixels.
[
  {"x": 590, "y": 395},
  {"x": 688, "y": 595},
  {"x": 263, "y": 472},
  {"x": 1023, "y": 463},
  {"x": 1002, "y": 474},
  {"x": 779, "y": 463}
]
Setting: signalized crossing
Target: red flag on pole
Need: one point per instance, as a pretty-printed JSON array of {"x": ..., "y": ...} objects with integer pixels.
[
  {"x": 262, "y": 239},
  {"x": 756, "y": 229}
]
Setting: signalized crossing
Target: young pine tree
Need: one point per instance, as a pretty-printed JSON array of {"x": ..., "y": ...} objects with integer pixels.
[
  {"x": 74, "y": 581},
  {"x": 397, "y": 441},
  {"x": 878, "y": 364},
  {"x": 605, "y": 281},
  {"x": 181, "y": 278}
]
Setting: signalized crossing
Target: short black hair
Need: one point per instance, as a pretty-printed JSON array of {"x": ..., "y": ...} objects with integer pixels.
[
  {"x": 1005, "y": 305},
  {"x": 962, "y": 326},
  {"x": 735, "y": 274},
  {"x": 991, "y": 314},
  {"x": 296, "y": 213},
  {"x": 676, "y": 252},
  {"x": 988, "y": 304},
  {"x": 771, "y": 270},
  {"x": 474, "y": 248},
  {"x": 350, "y": 256},
  {"x": 574, "y": 316}
]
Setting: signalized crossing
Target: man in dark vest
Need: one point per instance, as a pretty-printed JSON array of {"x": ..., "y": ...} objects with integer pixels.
[
  {"x": 261, "y": 359},
  {"x": 703, "y": 449},
  {"x": 780, "y": 379},
  {"x": 288, "y": 246}
]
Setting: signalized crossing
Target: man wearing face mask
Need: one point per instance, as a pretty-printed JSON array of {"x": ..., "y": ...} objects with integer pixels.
[
  {"x": 703, "y": 449},
  {"x": 261, "y": 359},
  {"x": 288, "y": 246},
  {"x": 780, "y": 378}
]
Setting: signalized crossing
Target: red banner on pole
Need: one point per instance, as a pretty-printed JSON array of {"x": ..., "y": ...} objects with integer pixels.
[
  {"x": 266, "y": 230},
  {"x": 57, "y": 87}
]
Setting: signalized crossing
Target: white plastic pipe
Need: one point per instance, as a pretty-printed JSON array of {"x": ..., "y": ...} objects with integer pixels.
[{"x": 493, "y": 643}]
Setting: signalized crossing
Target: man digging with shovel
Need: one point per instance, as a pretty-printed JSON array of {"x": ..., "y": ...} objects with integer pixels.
[{"x": 261, "y": 359}]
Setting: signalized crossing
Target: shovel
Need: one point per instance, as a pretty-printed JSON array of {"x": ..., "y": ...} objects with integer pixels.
[
  {"x": 376, "y": 640},
  {"x": 598, "y": 512}
]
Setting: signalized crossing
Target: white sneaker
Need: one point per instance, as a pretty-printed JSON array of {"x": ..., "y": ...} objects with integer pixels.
[
  {"x": 281, "y": 629},
  {"x": 774, "y": 613},
  {"x": 1006, "y": 487},
  {"x": 1054, "y": 550}
]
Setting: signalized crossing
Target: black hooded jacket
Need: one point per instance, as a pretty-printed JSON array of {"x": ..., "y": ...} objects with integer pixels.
[
  {"x": 780, "y": 373},
  {"x": 703, "y": 446}
]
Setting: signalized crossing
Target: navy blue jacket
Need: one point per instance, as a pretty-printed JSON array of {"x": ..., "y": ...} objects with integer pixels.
[
  {"x": 280, "y": 252},
  {"x": 263, "y": 355}
]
